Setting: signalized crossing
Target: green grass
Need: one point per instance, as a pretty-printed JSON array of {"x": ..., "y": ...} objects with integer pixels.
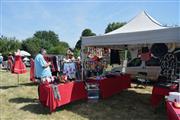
[{"x": 20, "y": 103}]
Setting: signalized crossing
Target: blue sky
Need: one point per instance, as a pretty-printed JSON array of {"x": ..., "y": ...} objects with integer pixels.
[{"x": 21, "y": 19}]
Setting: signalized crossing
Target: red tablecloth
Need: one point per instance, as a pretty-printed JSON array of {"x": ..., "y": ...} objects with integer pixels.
[
  {"x": 69, "y": 92},
  {"x": 172, "y": 112},
  {"x": 158, "y": 93},
  {"x": 111, "y": 86}
]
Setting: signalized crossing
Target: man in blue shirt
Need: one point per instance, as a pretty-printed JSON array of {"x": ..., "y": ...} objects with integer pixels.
[{"x": 42, "y": 69}]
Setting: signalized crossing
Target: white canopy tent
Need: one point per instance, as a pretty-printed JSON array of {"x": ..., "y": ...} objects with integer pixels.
[
  {"x": 139, "y": 31},
  {"x": 142, "y": 29}
]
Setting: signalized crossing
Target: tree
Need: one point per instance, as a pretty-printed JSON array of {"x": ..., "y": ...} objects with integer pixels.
[
  {"x": 60, "y": 48},
  {"x": 32, "y": 45},
  {"x": 85, "y": 32},
  {"x": 44, "y": 39},
  {"x": 9, "y": 45},
  {"x": 47, "y": 39},
  {"x": 47, "y": 36},
  {"x": 114, "y": 26}
]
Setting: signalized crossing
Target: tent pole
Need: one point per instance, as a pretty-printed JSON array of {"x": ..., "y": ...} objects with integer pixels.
[
  {"x": 82, "y": 63},
  {"x": 125, "y": 61}
]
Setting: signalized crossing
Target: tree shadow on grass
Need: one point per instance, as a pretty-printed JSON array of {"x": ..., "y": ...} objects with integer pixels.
[
  {"x": 7, "y": 87},
  {"x": 34, "y": 106},
  {"x": 29, "y": 84},
  {"x": 122, "y": 106},
  {"x": 14, "y": 86},
  {"x": 36, "y": 109},
  {"x": 23, "y": 100}
]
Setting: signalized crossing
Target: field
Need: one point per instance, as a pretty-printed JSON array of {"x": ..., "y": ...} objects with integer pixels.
[{"x": 21, "y": 103}]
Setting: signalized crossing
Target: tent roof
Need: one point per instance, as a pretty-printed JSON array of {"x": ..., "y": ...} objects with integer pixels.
[
  {"x": 141, "y": 22},
  {"x": 143, "y": 29}
]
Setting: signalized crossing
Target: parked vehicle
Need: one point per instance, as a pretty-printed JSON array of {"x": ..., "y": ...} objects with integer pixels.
[
  {"x": 26, "y": 61},
  {"x": 136, "y": 65}
]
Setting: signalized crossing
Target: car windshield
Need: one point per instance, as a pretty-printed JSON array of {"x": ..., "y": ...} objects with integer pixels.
[
  {"x": 134, "y": 62},
  {"x": 153, "y": 62}
]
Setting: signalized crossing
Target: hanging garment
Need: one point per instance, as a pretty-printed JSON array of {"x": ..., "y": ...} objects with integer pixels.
[
  {"x": 146, "y": 56},
  {"x": 56, "y": 91},
  {"x": 32, "y": 70},
  {"x": 52, "y": 59},
  {"x": 19, "y": 66},
  {"x": 10, "y": 65},
  {"x": 169, "y": 66},
  {"x": 114, "y": 57},
  {"x": 159, "y": 49},
  {"x": 70, "y": 70},
  {"x": 56, "y": 63}
]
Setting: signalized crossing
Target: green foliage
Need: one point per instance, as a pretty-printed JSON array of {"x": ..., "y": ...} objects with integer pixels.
[
  {"x": 9, "y": 45},
  {"x": 114, "y": 26},
  {"x": 32, "y": 45},
  {"x": 78, "y": 44},
  {"x": 85, "y": 32},
  {"x": 77, "y": 53},
  {"x": 45, "y": 39},
  {"x": 59, "y": 49},
  {"x": 48, "y": 39},
  {"x": 64, "y": 44}
]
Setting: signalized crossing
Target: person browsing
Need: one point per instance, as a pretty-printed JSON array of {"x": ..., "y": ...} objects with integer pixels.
[{"x": 42, "y": 68}]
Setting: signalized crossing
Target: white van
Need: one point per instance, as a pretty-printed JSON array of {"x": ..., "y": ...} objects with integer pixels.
[{"x": 136, "y": 65}]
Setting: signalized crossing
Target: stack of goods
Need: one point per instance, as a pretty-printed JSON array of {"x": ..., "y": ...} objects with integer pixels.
[
  {"x": 96, "y": 60},
  {"x": 93, "y": 92},
  {"x": 175, "y": 98}
]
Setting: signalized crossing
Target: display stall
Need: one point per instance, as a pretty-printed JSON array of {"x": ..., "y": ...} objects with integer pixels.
[
  {"x": 112, "y": 85},
  {"x": 153, "y": 40},
  {"x": 53, "y": 96},
  {"x": 97, "y": 52},
  {"x": 64, "y": 87}
]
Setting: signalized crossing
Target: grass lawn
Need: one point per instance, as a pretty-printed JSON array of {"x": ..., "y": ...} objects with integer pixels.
[{"x": 20, "y": 103}]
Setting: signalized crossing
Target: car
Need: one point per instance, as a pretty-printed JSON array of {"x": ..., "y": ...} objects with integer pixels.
[
  {"x": 136, "y": 66},
  {"x": 27, "y": 63}
]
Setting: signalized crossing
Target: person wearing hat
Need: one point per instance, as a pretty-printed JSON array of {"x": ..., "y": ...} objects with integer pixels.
[
  {"x": 69, "y": 68},
  {"x": 69, "y": 56},
  {"x": 1, "y": 60}
]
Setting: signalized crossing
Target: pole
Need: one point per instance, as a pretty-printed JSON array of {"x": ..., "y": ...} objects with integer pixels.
[
  {"x": 125, "y": 61},
  {"x": 18, "y": 78},
  {"x": 82, "y": 63}
]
